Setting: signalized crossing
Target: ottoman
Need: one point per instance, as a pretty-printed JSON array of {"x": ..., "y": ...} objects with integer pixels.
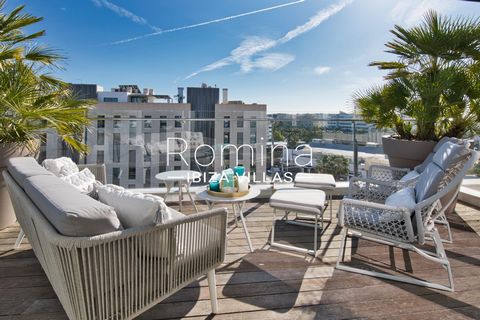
[
  {"x": 319, "y": 181},
  {"x": 305, "y": 201}
]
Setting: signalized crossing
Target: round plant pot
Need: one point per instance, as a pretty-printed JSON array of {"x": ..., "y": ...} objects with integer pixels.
[
  {"x": 7, "y": 151},
  {"x": 406, "y": 153}
]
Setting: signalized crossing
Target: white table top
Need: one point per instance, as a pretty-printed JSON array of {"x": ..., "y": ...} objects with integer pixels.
[
  {"x": 204, "y": 195},
  {"x": 178, "y": 175}
]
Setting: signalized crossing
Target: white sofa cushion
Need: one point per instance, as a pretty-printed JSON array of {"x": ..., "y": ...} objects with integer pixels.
[
  {"x": 60, "y": 167},
  {"x": 83, "y": 180},
  {"x": 134, "y": 209},
  {"x": 403, "y": 198}
]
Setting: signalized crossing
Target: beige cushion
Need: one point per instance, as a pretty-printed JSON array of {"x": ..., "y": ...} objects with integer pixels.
[
  {"x": 71, "y": 212},
  {"x": 299, "y": 200},
  {"x": 319, "y": 181}
]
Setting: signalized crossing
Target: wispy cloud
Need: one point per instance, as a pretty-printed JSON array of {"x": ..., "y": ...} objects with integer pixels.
[
  {"x": 201, "y": 24},
  {"x": 245, "y": 54},
  {"x": 122, "y": 12},
  {"x": 321, "y": 70},
  {"x": 410, "y": 12}
]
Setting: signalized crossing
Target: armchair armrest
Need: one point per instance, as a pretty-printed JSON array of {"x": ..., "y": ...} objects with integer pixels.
[
  {"x": 376, "y": 219},
  {"x": 371, "y": 190},
  {"x": 385, "y": 173},
  {"x": 98, "y": 170}
]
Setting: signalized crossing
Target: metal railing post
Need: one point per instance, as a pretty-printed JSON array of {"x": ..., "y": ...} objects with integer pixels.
[{"x": 355, "y": 149}]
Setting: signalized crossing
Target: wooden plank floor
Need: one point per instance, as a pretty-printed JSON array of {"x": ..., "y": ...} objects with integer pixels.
[{"x": 277, "y": 284}]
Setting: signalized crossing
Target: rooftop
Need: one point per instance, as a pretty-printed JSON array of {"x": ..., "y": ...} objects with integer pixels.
[{"x": 278, "y": 284}]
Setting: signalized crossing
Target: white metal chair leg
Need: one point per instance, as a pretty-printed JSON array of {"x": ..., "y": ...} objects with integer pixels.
[
  {"x": 18, "y": 242},
  {"x": 439, "y": 258},
  {"x": 212, "y": 288}
]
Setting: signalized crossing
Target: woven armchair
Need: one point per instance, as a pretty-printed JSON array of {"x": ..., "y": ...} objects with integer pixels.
[{"x": 364, "y": 215}]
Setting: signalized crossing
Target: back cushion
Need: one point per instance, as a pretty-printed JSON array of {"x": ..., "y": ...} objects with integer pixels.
[
  {"x": 428, "y": 181},
  {"x": 23, "y": 168},
  {"x": 61, "y": 167},
  {"x": 421, "y": 167},
  {"x": 448, "y": 154},
  {"x": 445, "y": 140},
  {"x": 69, "y": 211},
  {"x": 134, "y": 209}
]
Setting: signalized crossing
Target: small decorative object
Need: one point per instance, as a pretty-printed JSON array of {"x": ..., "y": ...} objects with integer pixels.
[
  {"x": 229, "y": 184},
  {"x": 239, "y": 171},
  {"x": 242, "y": 183}
]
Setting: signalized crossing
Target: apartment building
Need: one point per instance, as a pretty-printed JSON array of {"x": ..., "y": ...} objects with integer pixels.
[{"x": 133, "y": 130}]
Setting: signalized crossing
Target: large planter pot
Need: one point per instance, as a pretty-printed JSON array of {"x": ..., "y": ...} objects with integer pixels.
[
  {"x": 406, "y": 153},
  {"x": 7, "y": 151}
]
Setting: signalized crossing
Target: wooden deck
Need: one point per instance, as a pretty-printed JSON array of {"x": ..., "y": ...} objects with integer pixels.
[{"x": 276, "y": 284}]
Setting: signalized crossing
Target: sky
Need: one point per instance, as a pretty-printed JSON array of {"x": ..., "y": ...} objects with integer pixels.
[{"x": 297, "y": 56}]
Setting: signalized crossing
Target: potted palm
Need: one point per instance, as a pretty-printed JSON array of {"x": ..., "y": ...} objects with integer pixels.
[
  {"x": 31, "y": 100},
  {"x": 431, "y": 90}
]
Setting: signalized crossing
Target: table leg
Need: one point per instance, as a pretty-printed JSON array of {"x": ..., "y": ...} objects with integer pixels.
[
  {"x": 245, "y": 230},
  {"x": 187, "y": 187},
  {"x": 180, "y": 196},
  {"x": 169, "y": 186},
  {"x": 234, "y": 207}
]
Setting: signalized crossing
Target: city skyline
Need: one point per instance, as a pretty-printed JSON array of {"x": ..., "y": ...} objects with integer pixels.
[{"x": 295, "y": 56}]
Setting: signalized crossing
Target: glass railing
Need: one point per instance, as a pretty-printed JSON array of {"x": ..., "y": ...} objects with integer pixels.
[{"x": 136, "y": 146}]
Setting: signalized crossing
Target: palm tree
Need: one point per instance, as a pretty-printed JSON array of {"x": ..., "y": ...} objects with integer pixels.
[
  {"x": 434, "y": 80},
  {"x": 31, "y": 99}
]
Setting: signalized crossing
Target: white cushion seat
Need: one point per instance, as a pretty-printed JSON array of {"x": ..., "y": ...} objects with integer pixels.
[
  {"x": 319, "y": 181},
  {"x": 299, "y": 200}
]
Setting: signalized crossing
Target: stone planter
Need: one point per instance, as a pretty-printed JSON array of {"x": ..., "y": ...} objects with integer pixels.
[
  {"x": 406, "y": 153},
  {"x": 7, "y": 151}
]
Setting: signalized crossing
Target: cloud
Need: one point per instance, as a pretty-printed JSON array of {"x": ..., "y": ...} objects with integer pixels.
[
  {"x": 244, "y": 54},
  {"x": 411, "y": 12},
  {"x": 122, "y": 12},
  {"x": 201, "y": 24},
  {"x": 321, "y": 70}
]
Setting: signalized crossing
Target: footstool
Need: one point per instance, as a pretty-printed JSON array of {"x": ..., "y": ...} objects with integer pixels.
[
  {"x": 319, "y": 181},
  {"x": 305, "y": 201}
]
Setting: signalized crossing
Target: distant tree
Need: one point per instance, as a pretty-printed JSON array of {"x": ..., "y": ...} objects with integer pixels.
[{"x": 335, "y": 165}]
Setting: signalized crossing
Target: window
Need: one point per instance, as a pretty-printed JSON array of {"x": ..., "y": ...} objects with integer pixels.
[
  {"x": 178, "y": 124},
  {"x": 176, "y": 157},
  {"x": 177, "y": 168},
  {"x": 131, "y": 186},
  {"x": 147, "y": 123},
  {"x": 116, "y": 147},
  {"x": 100, "y": 156},
  {"x": 109, "y": 99},
  {"x": 239, "y": 138},
  {"x": 147, "y": 138},
  {"x": 116, "y": 123},
  {"x": 240, "y": 122},
  {"x": 132, "y": 173},
  {"x": 133, "y": 123},
  {"x": 116, "y": 176},
  {"x": 163, "y": 124},
  {"x": 226, "y": 122},
  {"x": 226, "y": 137},
  {"x": 253, "y": 123},
  {"x": 101, "y": 122},
  {"x": 148, "y": 177},
  {"x": 100, "y": 138},
  {"x": 253, "y": 137}
]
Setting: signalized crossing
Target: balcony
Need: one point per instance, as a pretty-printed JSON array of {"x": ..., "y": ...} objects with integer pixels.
[{"x": 269, "y": 282}]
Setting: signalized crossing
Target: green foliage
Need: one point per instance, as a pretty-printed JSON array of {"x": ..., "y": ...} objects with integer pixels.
[
  {"x": 435, "y": 81},
  {"x": 303, "y": 131},
  {"x": 31, "y": 99},
  {"x": 335, "y": 165},
  {"x": 476, "y": 169}
]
